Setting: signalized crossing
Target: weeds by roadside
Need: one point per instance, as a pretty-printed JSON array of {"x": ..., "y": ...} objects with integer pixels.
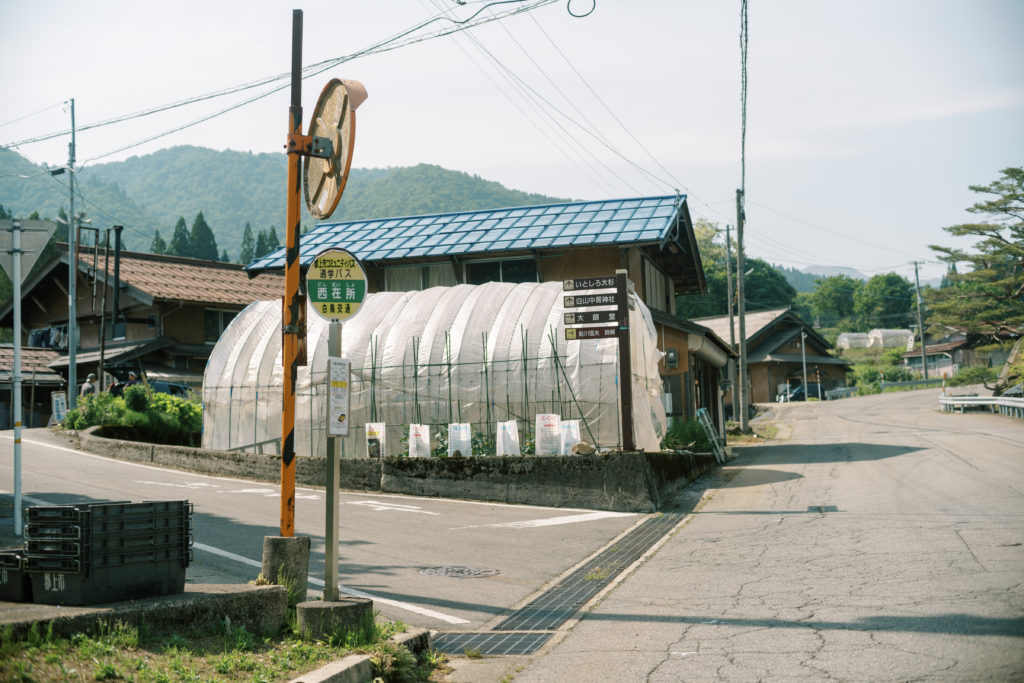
[{"x": 121, "y": 652}]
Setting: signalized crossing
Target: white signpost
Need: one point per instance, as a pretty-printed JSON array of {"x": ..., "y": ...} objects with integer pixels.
[
  {"x": 13, "y": 260},
  {"x": 336, "y": 287}
]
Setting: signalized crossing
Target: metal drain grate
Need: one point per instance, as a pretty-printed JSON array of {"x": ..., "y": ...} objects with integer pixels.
[
  {"x": 490, "y": 643},
  {"x": 554, "y": 607},
  {"x": 460, "y": 572}
]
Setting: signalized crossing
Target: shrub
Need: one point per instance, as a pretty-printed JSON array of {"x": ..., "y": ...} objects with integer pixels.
[
  {"x": 96, "y": 409},
  {"x": 686, "y": 435},
  {"x": 155, "y": 417},
  {"x": 973, "y": 375},
  {"x": 136, "y": 398}
]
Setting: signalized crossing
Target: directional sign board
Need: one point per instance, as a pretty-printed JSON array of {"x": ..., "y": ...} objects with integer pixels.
[
  {"x": 590, "y": 317},
  {"x": 336, "y": 285},
  {"x": 574, "y": 333},
  {"x": 589, "y": 283}
]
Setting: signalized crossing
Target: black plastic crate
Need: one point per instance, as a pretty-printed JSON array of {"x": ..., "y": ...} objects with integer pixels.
[
  {"x": 53, "y": 546},
  {"x": 39, "y": 530},
  {"x": 108, "y": 584},
  {"x": 15, "y": 584}
]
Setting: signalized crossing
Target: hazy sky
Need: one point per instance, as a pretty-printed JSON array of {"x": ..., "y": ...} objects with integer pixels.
[{"x": 866, "y": 120}]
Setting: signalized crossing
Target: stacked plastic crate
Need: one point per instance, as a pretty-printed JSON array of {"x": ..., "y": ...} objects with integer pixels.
[{"x": 105, "y": 552}]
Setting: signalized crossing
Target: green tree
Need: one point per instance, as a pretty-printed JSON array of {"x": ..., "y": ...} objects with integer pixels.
[
  {"x": 272, "y": 242},
  {"x": 201, "y": 241},
  {"x": 833, "y": 299},
  {"x": 5, "y": 214},
  {"x": 987, "y": 298},
  {"x": 180, "y": 245},
  {"x": 158, "y": 245},
  {"x": 765, "y": 286},
  {"x": 885, "y": 301},
  {"x": 248, "y": 245},
  {"x": 261, "y": 245},
  {"x": 224, "y": 258}
]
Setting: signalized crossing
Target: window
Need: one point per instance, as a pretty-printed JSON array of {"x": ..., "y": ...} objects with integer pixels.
[
  {"x": 657, "y": 287},
  {"x": 510, "y": 270},
  {"x": 214, "y": 323},
  {"x": 415, "y": 278}
]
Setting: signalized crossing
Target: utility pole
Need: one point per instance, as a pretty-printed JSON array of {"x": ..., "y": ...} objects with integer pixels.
[
  {"x": 741, "y": 381},
  {"x": 803, "y": 354},
  {"x": 72, "y": 273},
  {"x": 732, "y": 328},
  {"x": 920, "y": 323}
]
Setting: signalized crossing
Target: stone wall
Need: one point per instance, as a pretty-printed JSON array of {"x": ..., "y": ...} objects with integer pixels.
[{"x": 623, "y": 482}]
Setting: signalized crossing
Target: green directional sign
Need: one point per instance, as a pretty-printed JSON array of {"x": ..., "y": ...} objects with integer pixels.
[{"x": 336, "y": 285}]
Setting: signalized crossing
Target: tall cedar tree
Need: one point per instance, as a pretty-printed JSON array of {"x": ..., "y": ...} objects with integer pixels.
[
  {"x": 987, "y": 298},
  {"x": 180, "y": 245},
  {"x": 158, "y": 245},
  {"x": 202, "y": 242},
  {"x": 248, "y": 245}
]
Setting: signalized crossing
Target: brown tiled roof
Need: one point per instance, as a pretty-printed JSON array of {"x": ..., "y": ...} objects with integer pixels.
[
  {"x": 191, "y": 280},
  {"x": 33, "y": 364}
]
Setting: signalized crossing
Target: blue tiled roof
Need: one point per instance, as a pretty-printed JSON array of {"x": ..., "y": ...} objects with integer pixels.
[{"x": 618, "y": 221}]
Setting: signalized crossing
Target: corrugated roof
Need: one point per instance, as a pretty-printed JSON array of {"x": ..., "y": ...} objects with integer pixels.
[
  {"x": 570, "y": 224},
  {"x": 34, "y": 365},
  {"x": 190, "y": 280}
]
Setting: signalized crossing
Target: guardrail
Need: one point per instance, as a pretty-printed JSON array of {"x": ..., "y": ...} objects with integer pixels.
[{"x": 1011, "y": 407}]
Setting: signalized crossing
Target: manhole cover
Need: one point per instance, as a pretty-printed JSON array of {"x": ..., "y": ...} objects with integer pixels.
[{"x": 460, "y": 572}]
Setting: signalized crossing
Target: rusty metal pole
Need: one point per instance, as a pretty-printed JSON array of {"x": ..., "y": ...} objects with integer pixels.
[{"x": 292, "y": 300}]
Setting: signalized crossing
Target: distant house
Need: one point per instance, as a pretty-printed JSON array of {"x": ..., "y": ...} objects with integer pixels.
[
  {"x": 38, "y": 380},
  {"x": 650, "y": 237},
  {"x": 779, "y": 343},
  {"x": 170, "y": 312}
]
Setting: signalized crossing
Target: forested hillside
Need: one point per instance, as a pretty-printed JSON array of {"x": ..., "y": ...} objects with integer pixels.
[{"x": 152, "y": 192}]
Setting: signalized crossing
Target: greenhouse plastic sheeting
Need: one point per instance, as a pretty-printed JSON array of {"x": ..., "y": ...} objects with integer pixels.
[{"x": 480, "y": 354}]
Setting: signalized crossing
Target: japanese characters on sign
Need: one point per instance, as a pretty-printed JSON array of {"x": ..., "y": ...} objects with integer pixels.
[
  {"x": 339, "y": 372},
  {"x": 574, "y": 318},
  {"x": 336, "y": 285},
  {"x": 589, "y": 283}
]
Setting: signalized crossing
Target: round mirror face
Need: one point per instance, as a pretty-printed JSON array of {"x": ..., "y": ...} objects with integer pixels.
[{"x": 324, "y": 179}]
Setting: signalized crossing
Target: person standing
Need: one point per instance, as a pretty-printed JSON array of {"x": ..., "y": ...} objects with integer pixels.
[
  {"x": 132, "y": 379},
  {"x": 89, "y": 386}
]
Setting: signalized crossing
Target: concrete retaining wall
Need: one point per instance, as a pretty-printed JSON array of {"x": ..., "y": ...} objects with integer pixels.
[{"x": 623, "y": 482}]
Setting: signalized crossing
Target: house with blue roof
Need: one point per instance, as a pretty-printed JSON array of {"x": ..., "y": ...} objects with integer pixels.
[{"x": 650, "y": 237}]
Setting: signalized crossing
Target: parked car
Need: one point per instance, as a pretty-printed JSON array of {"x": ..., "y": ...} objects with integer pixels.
[
  {"x": 157, "y": 386},
  {"x": 797, "y": 393}
]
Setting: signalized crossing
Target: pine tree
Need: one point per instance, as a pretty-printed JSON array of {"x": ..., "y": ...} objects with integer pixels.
[
  {"x": 272, "y": 242},
  {"x": 180, "y": 245},
  {"x": 201, "y": 241},
  {"x": 248, "y": 245},
  {"x": 158, "y": 245},
  {"x": 224, "y": 257},
  {"x": 261, "y": 245}
]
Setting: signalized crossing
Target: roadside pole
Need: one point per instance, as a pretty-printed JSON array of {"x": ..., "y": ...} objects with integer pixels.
[
  {"x": 625, "y": 359},
  {"x": 333, "y": 478},
  {"x": 16, "y": 369}
]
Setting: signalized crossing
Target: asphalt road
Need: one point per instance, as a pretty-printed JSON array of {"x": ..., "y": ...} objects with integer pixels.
[
  {"x": 385, "y": 541},
  {"x": 881, "y": 541}
]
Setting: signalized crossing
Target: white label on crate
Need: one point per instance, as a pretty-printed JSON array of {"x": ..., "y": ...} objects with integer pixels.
[
  {"x": 3, "y": 576},
  {"x": 53, "y": 582}
]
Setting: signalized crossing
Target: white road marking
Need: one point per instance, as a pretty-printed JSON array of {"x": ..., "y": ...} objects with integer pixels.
[
  {"x": 8, "y": 434},
  {"x": 409, "y": 607},
  {"x": 555, "y": 521},
  {"x": 395, "y": 507}
]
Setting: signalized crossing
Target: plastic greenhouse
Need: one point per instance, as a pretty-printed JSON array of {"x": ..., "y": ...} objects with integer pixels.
[{"x": 465, "y": 354}]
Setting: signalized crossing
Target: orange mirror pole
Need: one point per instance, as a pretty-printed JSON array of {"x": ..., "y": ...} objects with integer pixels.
[{"x": 292, "y": 301}]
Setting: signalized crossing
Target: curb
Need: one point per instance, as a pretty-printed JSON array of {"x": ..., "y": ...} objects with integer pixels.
[{"x": 357, "y": 668}]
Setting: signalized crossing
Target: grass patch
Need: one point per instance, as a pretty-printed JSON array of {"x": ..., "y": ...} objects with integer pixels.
[{"x": 120, "y": 652}]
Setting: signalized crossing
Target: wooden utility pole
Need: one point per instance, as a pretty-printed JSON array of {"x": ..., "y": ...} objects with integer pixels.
[
  {"x": 920, "y": 323},
  {"x": 741, "y": 381}
]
